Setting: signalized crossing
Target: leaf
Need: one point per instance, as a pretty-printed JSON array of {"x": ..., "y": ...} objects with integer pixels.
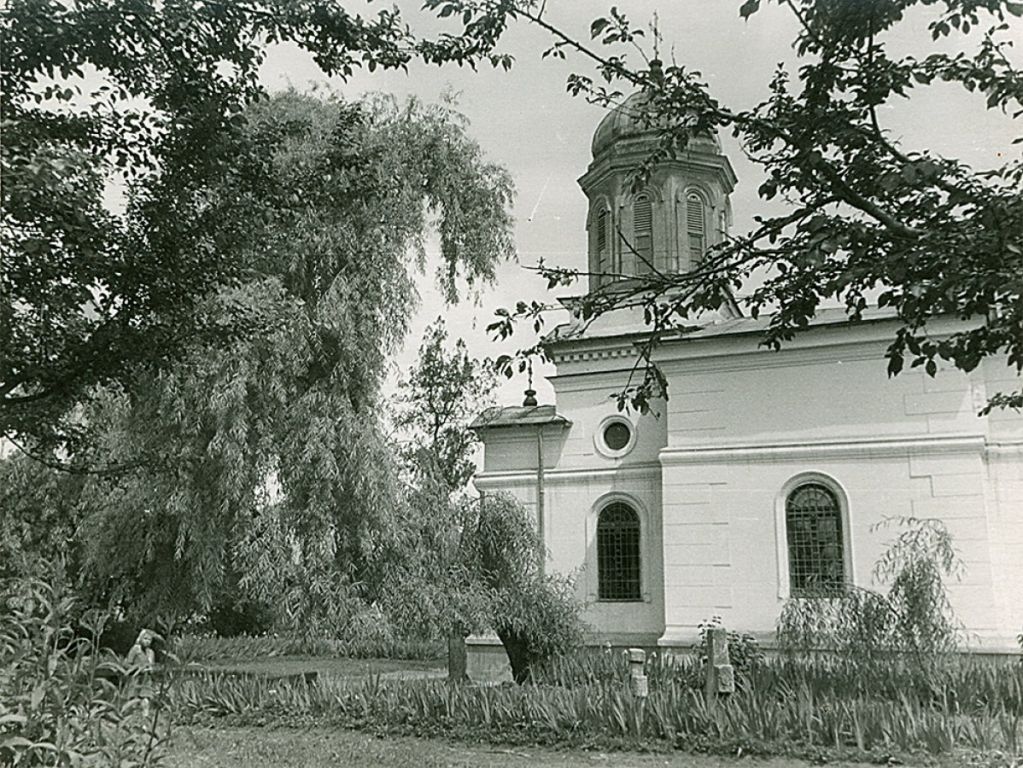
[
  {"x": 598, "y": 26},
  {"x": 749, "y": 8},
  {"x": 894, "y": 364}
]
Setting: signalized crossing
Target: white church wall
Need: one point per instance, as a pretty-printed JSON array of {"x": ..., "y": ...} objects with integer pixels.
[
  {"x": 709, "y": 468},
  {"x": 725, "y": 546},
  {"x": 572, "y": 500},
  {"x": 1005, "y": 517},
  {"x": 588, "y": 400},
  {"x": 742, "y": 425}
]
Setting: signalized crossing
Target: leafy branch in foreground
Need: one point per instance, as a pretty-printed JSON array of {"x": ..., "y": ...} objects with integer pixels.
[{"x": 870, "y": 220}]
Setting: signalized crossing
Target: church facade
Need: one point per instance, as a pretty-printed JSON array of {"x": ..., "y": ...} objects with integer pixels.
[{"x": 765, "y": 475}]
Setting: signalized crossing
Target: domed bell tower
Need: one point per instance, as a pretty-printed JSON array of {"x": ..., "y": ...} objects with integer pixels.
[{"x": 667, "y": 225}]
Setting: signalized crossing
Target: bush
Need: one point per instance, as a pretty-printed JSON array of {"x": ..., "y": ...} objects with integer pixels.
[
  {"x": 232, "y": 617},
  {"x": 913, "y": 619},
  {"x": 534, "y": 614},
  {"x": 63, "y": 701},
  {"x": 537, "y": 620}
]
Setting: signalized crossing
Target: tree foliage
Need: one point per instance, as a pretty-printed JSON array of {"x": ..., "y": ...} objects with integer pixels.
[
  {"x": 149, "y": 98},
  {"x": 913, "y": 618},
  {"x": 268, "y": 452},
  {"x": 438, "y": 400},
  {"x": 870, "y": 218},
  {"x": 535, "y": 614}
]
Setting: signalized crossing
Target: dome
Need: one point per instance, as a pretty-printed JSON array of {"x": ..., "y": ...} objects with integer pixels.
[{"x": 626, "y": 121}]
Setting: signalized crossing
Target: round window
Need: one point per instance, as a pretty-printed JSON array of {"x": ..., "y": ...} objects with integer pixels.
[{"x": 617, "y": 435}]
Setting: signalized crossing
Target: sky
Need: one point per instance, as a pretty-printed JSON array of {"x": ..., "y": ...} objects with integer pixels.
[{"x": 526, "y": 121}]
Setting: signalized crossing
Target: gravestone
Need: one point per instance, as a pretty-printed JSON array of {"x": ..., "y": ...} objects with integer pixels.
[
  {"x": 457, "y": 659},
  {"x": 720, "y": 675},
  {"x": 638, "y": 685}
]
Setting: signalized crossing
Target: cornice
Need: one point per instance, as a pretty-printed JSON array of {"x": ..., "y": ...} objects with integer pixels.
[
  {"x": 501, "y": 479},
  {"x": 841, "y": 448}
]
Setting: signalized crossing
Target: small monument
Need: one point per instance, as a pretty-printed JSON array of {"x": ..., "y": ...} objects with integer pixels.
[
  {"x": 638, "y": 685},
  {"x": 720, "y": 675}
]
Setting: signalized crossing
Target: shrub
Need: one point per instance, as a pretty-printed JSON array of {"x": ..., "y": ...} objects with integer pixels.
[
  {"x": 62, "y": 701},
  {"x": 537, "y": 620},
  {"x": 534, "y": 614},
  {"x": 914, "y": 618},
  {"x": 233, "y": 616}
]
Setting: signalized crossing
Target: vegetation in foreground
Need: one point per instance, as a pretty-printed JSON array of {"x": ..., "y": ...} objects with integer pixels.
[
  {"x": 822, "y": 707},
  {"x": 58, "y": 699}
]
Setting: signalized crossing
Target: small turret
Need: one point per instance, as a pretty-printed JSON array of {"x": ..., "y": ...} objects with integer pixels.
[{"x": 669, "y": 224}]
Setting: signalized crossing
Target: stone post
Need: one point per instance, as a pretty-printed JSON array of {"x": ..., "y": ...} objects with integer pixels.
[
  {"x": 637, "y": 677},
  {"x": 720, "y": 676},
  {"x": 457, "y": 658}
]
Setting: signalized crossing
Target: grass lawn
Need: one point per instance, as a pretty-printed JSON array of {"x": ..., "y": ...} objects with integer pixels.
[
  {"x": 280, "y": 666},
  {"x": 323, "y": 747}
]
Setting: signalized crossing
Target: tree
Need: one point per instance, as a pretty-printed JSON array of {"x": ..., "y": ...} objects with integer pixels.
[
  {"x": 268, "y": 452},
  {"x": 438, "y": 400},
  {"x": 913, "y": 619},
  {"x": 39, "y": 518},
  {"x": 534, "y": 614},
  {"x": 146, "y": 97},
  {"x": 867, "y": 215},
  {"x": 469, "y": 564},
  {"x": 475, "y": 567}
]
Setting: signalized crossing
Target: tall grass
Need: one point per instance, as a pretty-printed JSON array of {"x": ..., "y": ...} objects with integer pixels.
[
  {"x": 583, "y": 699},
  {"x": 200, "y": 649}
]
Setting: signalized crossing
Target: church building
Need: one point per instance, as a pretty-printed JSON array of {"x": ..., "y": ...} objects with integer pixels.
[{"x": 765, "y": 474}]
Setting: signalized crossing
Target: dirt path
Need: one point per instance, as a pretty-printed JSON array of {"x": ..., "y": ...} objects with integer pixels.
[{"x": 323, "y": 747}]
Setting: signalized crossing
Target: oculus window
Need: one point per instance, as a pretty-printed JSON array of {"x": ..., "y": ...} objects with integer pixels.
[
  {"x": 813, "y": 526},
  {"x": 618, "y": 553},
  {"x": 615, "y": 437}
]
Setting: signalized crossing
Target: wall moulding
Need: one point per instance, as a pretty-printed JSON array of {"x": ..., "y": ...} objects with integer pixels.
[
  {"x": 869, "y": 448},
  {"x": 494, "y": 480}
]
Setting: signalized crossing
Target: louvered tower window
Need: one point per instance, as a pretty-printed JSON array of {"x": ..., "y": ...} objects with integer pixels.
[
  {"x": 695, "y": 226},
  {"x": 618, "y": 553},
  {"x": 813, "y": 524},
  {"x": 603, "y": 245},
  {"x": 643, "y": 241}
]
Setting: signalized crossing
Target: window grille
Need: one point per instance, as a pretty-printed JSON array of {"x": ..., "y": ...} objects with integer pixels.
[
  {"x": 642, "y": 214},
  {"x": 618, "y": 553},
  {"x": 813, "y": 523},
  {"x": 695, "y": 225}
]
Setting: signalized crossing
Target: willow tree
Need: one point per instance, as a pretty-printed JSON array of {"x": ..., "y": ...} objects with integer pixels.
[
  {"x": 268, "y": 452},
  {"x": 147, "y": 97}
]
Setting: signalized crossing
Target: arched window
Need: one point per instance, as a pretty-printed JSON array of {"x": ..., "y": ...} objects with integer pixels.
[
  {"x": 618, "y": 553},
  {"x": 603, "y": 244},
  {"x": 813, "y": 525},
  {"x": 695, "y": 226},
  {"x": 642, "y": 228}
]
